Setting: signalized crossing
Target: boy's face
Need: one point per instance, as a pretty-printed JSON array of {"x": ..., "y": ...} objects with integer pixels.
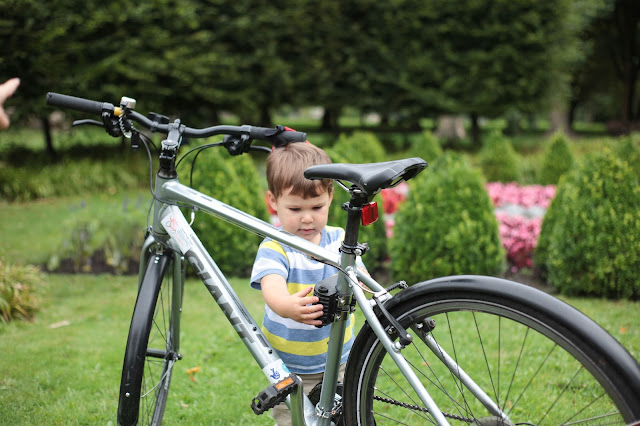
[{"x": 304, "y": 217}]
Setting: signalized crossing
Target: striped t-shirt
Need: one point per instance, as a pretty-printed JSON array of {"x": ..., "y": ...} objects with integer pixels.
[{"x": 302, "y": 347}]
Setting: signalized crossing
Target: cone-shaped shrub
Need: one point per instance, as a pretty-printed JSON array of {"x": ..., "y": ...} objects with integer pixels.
[
  {"x": 498, "y": 159},
  {"x": 557, "y": 159},
  {"x": 590, "y": 238},
  {"x": 426, "y": 146},
  {"x": 235, "y": 181},
  {"x": 446, "y": 226}
]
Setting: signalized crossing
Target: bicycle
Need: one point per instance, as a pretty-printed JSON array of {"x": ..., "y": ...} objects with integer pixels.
[{"x": 436, "y": 351}]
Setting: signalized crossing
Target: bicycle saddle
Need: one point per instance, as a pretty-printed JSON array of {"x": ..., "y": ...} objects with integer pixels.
[{"x": 369, "y": 177}]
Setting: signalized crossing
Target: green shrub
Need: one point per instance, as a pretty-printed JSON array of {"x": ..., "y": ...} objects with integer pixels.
[
  {"x": 20, "y": 287},
  {"x": 446, "y": 226},
  {"x": 72, "y": 177},
  {"x": 235, "y": 181},
  {"x": 360, "y": 147},
  {"x": 114, "y": 236},
  {"x": 590, "y": 238},
  {"x": 557, "y": 159},
  {"x": 628, "y": 150},
  {"x": 498, "y": 160},
  {"x": 426, "y": 146}
]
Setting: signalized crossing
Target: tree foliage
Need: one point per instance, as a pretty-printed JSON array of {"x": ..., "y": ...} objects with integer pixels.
[{"x": 404, "y": 59}]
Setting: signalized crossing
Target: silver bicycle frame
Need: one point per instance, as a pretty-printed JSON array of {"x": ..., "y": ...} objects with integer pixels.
[{"x": 171, "y": 227}]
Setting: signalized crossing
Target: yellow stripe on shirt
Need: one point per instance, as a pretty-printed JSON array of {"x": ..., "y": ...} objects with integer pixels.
[
  {"x": 274, "y": 245},
  {"x": 305, "y": 348}
]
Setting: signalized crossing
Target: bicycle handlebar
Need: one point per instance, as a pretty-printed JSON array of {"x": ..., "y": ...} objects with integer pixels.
[
  {"x": 79, "y": 104},
  {"x": 278, "y": 136}
]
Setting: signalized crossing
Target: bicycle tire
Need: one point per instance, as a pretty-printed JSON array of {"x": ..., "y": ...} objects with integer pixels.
[
  {"x": 573, "y": 365},
  {"x": 151, "y": 350}
]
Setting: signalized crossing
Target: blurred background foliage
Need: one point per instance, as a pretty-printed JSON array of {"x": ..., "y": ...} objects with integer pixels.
[{"x": 404, "y": 60}]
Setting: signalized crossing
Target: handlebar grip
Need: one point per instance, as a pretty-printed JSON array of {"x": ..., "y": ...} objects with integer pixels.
[
  {"x": 279, "y": 136},
  {"x": 78, "y": 104}
]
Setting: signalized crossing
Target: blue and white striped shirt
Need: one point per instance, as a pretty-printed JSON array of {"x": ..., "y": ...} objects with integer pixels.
[{"x": 302, "y": 347}]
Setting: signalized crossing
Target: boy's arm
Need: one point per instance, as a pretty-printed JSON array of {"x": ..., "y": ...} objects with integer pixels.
[{"x": 295, "y": 306}]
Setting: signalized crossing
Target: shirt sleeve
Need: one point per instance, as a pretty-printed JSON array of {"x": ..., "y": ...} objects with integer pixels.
[{"x": 270, "y": 259}]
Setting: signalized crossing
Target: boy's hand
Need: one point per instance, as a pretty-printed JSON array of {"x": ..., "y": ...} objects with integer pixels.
[
  {"x": 302, "y": 309},
  {"x": 297, "y": 306}
]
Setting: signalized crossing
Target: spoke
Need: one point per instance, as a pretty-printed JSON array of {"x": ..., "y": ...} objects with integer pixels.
[
  {"x": 417, "y": 409},
  {"x": 561, "y": 393},
  {"x": 567, "y": 422},
  {"x": 438, "y": 385},
  {"x": 397, "y": 385},
  {"x": 596, "y": 418},
  {"x": 515, "y": 370},
  {"x": 534, "y": 375},
  {"x": 499, "y": 350},
  {"x": 389, "y": 418},
  {"x": 486, "y": 360},
  {"x": 467, "y": 409}
]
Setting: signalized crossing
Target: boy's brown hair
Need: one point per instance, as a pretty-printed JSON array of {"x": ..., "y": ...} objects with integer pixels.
[{"x": 285, "y": 168}]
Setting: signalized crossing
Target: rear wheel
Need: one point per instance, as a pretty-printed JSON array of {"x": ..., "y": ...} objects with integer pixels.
[
  {"x": 537, "y": 359},
  {"x": 152, "y": 346}
]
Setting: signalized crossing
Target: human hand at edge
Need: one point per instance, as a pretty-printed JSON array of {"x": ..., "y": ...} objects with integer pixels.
[{"x": 6, "y": 90}]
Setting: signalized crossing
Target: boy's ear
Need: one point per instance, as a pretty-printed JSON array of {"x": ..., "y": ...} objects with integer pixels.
[{"x": 272, "y": 201}]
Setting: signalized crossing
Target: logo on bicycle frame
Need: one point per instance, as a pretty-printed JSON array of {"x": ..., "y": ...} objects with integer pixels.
[{"x": 172, "y": 223}]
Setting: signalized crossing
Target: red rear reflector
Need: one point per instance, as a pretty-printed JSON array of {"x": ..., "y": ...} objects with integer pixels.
[{"x": 369, "y": 213}]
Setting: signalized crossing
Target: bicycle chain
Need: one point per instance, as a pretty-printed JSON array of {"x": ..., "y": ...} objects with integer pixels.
[{"x": 422, "y": 409}]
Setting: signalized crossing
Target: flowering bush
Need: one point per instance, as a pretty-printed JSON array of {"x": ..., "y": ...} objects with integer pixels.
[
  {"x": 503, "y": 194},
  {"x": 391, "y": 200},
  {"x": 519, "y": 210}
]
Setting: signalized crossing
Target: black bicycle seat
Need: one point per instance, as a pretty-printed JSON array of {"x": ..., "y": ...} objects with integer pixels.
[{"x": 369, "y": 177}]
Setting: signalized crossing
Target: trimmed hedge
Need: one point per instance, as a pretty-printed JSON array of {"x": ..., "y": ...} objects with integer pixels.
[
  {"x": 72, "y": 177},
  {"x": 426, "y": 146},
  {"x": 498, "y": 160},
  {"x": 446, "y": 226},
  {"x": 590, "y": 238},
  {"x": 235, "y": 181},
  {"x": 557, "y": 159}
]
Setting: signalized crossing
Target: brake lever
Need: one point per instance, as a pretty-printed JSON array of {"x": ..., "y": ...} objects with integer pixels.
[{"x": 87, "y": 122}]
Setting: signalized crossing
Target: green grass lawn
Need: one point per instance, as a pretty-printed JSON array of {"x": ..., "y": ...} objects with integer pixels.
[{"x": 64, "y": 368}]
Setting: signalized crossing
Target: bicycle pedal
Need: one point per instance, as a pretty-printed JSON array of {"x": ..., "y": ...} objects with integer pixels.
[{"x": 275, "y": 394}]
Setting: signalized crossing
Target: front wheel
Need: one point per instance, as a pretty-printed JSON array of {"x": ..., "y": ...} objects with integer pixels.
[
  {"x": 152, "y": 345},
  {"x": 491, "y": 351}
]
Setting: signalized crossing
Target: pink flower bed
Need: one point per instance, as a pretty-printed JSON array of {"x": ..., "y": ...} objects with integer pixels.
[
  {"x": 519, "y": 210},
  {"x": 391, "y": 199},
  {"x": 526, "y": 196}
]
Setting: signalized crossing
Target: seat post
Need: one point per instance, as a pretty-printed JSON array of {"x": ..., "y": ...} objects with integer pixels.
[{"x": 354, "y": 215}]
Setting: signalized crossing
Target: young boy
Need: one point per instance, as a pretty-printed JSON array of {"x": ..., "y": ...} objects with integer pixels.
[{"x": 286, "y": 276}]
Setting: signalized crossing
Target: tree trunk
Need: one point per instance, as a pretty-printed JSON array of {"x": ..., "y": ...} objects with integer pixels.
[
  {"x": 265, "y": 116},
  {"x": 475, "y": 130},
  {"x": 330, "y": 118},
  {"x": 571, "y": 116},
  {"x": 48, "y": 140},
  {"x": 559, "y": 120},
  {"x": 450, "y": 128}
]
